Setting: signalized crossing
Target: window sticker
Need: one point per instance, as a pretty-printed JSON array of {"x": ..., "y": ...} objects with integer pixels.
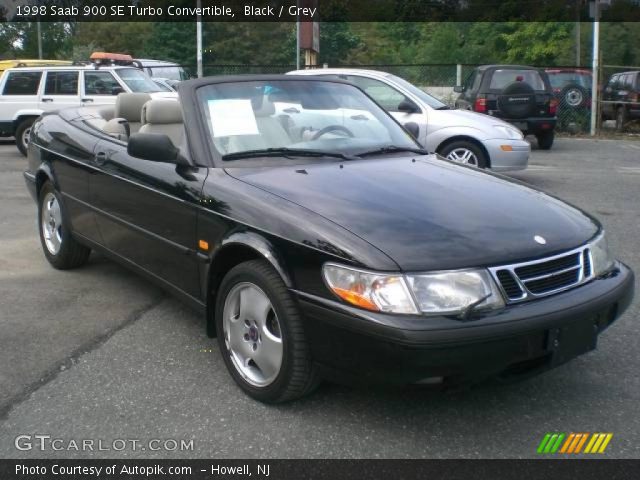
[{"x": 232, "y": 117}]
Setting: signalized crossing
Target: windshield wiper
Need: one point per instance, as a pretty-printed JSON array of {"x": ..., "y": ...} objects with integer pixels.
[
  {"x": 393, "y": 149},
  {"x": 444, "y": 107},
  {"x": 285, "y": 152}
]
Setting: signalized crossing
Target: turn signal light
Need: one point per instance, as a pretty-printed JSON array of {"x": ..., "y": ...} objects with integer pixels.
[
  {"x": 355, "y": 298},
  {"x": 506, "y": 148}
]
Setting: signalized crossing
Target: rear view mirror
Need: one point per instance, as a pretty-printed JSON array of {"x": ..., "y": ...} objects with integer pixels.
[
  {"x": 407, "y": 106},
  {"x": 155, "y": 147},
  {"x": 458, "y": 89}
]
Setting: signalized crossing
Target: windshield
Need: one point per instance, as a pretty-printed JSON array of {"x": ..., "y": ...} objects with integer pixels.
[
  {"x": 170, "y": 72},
  {"x": 560, "y": 80},
  {"x": 503, "y": 77},
  {"x": 421, "y": 94},
  {"x": 301, "y": 116},
  {"x": 138, "y": 81}
]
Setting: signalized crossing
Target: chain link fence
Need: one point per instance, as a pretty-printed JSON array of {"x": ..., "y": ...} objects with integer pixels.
[{"x": 571, "y": 88}]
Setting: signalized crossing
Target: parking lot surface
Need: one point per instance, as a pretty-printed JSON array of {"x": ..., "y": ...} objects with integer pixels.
[{"x": 99, "y": 354}]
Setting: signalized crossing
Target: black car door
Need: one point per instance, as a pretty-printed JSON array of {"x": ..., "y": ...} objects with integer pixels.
[{"x": 146, "y": 213}]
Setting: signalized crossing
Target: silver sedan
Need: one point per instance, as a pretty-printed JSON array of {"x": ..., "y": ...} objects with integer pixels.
[{"x": 459, "y": 135}]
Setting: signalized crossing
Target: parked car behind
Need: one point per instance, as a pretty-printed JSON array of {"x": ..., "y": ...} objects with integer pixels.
[
  {"x": 518, "y": 94},
  {"x": 162, "y": 69},
  {"x": 27, "y": 92},
  {"x": 621, "y": 98},
  {"x": 458, "y": 135},
  {"x": 571, "y": 87}
]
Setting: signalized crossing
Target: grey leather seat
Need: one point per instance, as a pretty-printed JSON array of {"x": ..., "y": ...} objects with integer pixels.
[
  {"x": 163, "y": 116},
  {"x": 272, "y": 133},
  {"x": 127, "y": 115}
]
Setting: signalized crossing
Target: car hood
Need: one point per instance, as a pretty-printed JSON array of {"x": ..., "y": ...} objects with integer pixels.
[
  {"x": 467, "y": 118},
  {"x": 430, "y": 214}
]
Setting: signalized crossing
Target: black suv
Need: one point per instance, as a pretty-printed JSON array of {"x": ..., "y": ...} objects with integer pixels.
[
  {"x": 517, "y": 94},
  {"x": 621, "y": 98}
]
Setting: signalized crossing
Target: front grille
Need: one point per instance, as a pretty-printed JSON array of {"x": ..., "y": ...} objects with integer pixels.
[{"x": 528, "y": 280}]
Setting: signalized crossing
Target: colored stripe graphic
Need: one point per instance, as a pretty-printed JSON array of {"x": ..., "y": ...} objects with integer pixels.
[{"x": 574, "y": 442}]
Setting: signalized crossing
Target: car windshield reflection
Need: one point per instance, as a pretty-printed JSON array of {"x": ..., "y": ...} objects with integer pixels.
[{"x": 289, "y": 118}]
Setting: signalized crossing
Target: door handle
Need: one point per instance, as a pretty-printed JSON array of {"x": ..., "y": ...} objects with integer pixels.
[
  {"x": 47, "y": 99},
  {"x": 85, "y": 100},
  {"x": 101, "y": 158}
]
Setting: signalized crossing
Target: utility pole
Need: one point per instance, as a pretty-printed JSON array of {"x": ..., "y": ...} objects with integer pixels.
[
  {"x": 595, "y": 67},
  {"x": 39, "y": 41},
  {"x": 199, "y": 39}
]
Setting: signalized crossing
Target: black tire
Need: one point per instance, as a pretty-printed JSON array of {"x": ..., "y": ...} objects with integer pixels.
[
  {"x": 621, "y": 118},
  {"x": 297, "y": 376},
  {"x": 545, "y": 140},
  {"x": 573, "y": 97},
  {"x": 20, "y": 131},
  {"x": 70, "y": 254},
  {"x": 446, "y": 151},
  {"x": 517, "y": 100}
]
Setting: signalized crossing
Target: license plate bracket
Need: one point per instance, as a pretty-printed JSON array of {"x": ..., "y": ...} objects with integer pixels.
[{"x": 571, "y": 340}]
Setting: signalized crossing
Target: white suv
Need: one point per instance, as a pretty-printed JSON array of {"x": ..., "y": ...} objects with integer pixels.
[{"x": 27, "y": 92}]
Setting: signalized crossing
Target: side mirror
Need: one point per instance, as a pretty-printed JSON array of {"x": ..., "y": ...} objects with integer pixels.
[
  {"x": 407, "y": 106},
  {"x": 458, "y": 89},
  {"x": 117, "y": 90},
  {"x": 413, "y": 129},
  {"x": 155, "y": 147}
]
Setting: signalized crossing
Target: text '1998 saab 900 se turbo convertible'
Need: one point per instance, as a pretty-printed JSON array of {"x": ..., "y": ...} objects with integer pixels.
[{"x": 325, "y": 244}]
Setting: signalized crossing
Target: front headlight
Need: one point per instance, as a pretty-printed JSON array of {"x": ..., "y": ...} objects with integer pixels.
[
  {"x": 373, "y": 291},
  {"x": 601, "y": 257},
  {"x": 453, "y": 292},
  {"x": 434, "y": 293},
  {"x": 510, "y": 132}
]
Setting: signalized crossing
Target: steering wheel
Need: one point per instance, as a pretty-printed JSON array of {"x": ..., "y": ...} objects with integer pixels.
[{"x": 332, "y": 128}]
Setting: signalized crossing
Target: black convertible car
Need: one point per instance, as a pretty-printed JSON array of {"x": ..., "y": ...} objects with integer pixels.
[{"x": 319, "y": 239}]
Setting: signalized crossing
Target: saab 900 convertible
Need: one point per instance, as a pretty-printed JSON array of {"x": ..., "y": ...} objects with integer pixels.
[{"x": 321, "y": 241}]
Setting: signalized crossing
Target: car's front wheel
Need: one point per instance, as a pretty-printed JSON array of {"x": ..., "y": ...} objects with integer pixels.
[
  {"x": 261, "y": 336},
  {"x": 463, "y": 151},
  {"x": 59, "y": 246}
]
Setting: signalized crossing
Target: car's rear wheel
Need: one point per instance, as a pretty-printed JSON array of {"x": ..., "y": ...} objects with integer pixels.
[
  {"x": 463, "y": 151},
  {"x": 59, "y": 247},
  {"x": 22, "y": 135},
  {"x": 621, "y": 118},
  {"x": 545, "y": 140},
  {"x": 261, "y": 336}
]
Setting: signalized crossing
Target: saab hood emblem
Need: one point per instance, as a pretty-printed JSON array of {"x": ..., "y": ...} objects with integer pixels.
[{"x": 540, "y": 240}]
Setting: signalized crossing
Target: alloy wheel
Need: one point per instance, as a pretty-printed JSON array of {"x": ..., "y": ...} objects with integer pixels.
[
  {"x": 252, "y": 334},
  {"x": 463, "y": 155},
  {"x": 51, "y": 223}
]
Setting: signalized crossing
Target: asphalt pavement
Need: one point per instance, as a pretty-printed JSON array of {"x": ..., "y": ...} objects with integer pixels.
[{"x": 98, "y": 354}]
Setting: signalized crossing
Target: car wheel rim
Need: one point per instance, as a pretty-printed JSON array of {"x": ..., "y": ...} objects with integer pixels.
[
  {"x": 252, "y": 334},
  {"x": 574, "y": 98},
  {"x": 463, "y": 155},
  {"x": 25, "y": 137},
  {"x": 51, "y": 220}
]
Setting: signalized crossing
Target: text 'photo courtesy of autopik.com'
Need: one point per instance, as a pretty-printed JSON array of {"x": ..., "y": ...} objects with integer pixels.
[{"x": 328, "y": 239}]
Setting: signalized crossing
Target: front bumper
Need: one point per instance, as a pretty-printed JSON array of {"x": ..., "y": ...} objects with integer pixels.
[
  {"x": 508, "y": 160},
  {"x": 354, "y": 346}
]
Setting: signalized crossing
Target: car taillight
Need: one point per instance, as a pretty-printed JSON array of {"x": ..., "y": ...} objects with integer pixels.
[
  {"x": 633, "y": 97},
  {"x": 553, "y": 106},
  {"x": 480, "y": 105}
]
